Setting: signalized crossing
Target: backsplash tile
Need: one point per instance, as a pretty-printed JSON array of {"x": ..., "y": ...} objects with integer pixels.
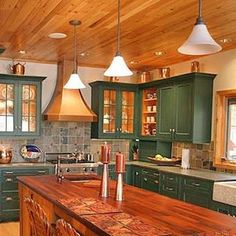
[
  {"x": 65, "y": 137},
  {"x": 201, "y": 155}
]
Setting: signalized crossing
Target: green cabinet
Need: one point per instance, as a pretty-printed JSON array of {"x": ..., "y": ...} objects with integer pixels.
[
  {"x": 184, "y": 108},
  {"x": 9, "y": 199},
  {"x": 137, "y": 171},
  {"x": 20, "y": 105},
  {"x": 115, "y": 106},
  {"x": 150, "y": 180},
  {"x": 197, "y": 191},
  {"x": 169, "y": 184}
]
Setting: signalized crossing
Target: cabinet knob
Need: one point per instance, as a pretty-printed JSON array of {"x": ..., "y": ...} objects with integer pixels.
[
  {"x": 156, "y": 182},
  {"x": 136, "y": 173},
  {"x": 156, "y": 174},
  {"x": 173, "y": 130},
  {"x": 170, "y": 130},
  {"x": 169, "y": 189},
  {"x": 170, "y": 178},
  {"x": 120, "y": 129},
  {"x": 9, "y": 180},
  {"x": 41, "y": 171},
  {"x": 145, "y": 179},
  {"x": 8, "y": 199},
  {"x": 196, "y": 184}
]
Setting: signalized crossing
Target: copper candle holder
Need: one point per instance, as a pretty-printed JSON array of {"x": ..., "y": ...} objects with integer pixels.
[
  {"x": 119, "y": 187},
  {"x": 104, "y": 187}
]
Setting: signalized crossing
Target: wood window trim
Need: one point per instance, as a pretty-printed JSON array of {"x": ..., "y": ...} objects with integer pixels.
[{"x": 220, "y": 128}]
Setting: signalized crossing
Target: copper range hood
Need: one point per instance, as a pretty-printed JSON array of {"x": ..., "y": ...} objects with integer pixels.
[{"x": 67, "y": 104}]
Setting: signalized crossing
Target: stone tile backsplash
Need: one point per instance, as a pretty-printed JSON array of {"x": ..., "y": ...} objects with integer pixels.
[
  {"x": 64, "y": 137},
  {"x": 201, "y": 155}
]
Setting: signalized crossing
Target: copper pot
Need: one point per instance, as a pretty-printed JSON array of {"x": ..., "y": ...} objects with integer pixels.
[
  {"x": 5, "y": 156},
  {"x": 164, "y": 72},
  {"x": 18, "y": 69}
]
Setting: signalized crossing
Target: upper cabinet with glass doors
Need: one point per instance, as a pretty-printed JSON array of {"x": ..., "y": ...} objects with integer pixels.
[
  {"x": 116, "y": 106},
  {"x": 20, "y": 105}
]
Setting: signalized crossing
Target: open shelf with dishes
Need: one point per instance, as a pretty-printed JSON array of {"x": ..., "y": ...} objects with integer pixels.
[{"x": 149, "y": 112}]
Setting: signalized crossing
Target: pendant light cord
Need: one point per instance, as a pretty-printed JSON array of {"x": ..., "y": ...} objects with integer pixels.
[
  {"x": 75, "y": 51},
  {"x": 199, "y": 18},
  {"x": 118, "y": 31}
]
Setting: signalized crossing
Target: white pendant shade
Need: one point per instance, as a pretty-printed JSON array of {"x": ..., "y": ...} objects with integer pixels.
[
  {"x": 199, "y": 42},
  {"x": 118, "y": 68},
  {"x": 74, "y": 82}
]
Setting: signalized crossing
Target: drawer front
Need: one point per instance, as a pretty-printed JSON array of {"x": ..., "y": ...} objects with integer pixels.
[
  {"x": 198, "y": 184},
  {"x": 169, "y": 189},
  {"x": 199, "y": 198},
  {"x": 149, "y": 183},
  {"x": 10, "y": 201},
  {"x": 152, "y": 173},
  {"x": 9, "y": 177},
  {"x": 10, "y": 215},
  {"x": 171, "y": 178}
]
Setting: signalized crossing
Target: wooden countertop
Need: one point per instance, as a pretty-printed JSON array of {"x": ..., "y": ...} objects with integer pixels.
[{"x": 179, "y": 217}]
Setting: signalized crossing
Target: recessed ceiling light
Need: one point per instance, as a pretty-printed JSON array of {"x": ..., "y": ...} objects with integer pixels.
[
  {"x": 57, "y": 36},
  {"x": 226, "y": 40},
  {"x": 84, "y": 54},
  {"x": 159, "y": 53},
  {"x": 134, "y": 62},
  {"x": 22, "y": 51}
]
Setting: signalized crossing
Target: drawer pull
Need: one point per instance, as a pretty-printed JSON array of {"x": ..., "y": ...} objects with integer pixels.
[
  {"x": 145, "y": 172},
  {"x": 9, "y": 172},
  {"x": 196, "y": 184},
  {"x": 170, "y": 178},
  {"x": 42, "y": 171},
  {"x": 169, "y": 189},
  {"x": 136, "y": 173},
  {"x": 156, "y": 174},
  {"x": 8, "y": 199},
  {"x": 156, "y": 182},
  {"x": 145, "y": 179},
  {"x": 9, "y": 180}
]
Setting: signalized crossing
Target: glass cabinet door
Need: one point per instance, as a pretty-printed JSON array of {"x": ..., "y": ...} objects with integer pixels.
[
  {"x": 28, "y": 108},
  {"x": 149, "y": 112},
  {"x": 127, "y": 112},
  {"x": 7, "y": 107},
  {"x": 109, "y": 111}
]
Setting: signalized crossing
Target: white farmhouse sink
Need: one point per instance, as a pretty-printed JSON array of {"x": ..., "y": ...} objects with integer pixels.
[{"x": 225, "y": 192}]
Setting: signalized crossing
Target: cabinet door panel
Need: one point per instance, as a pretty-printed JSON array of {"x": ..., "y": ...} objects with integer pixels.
[
  {"x": 166, "y": 109},
  {"x": 183, "y": 114},
  {"x": 127, "y": 113}
]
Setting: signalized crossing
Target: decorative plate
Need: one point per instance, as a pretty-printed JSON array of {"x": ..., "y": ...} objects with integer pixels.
[{"x": 30, "y": 152}]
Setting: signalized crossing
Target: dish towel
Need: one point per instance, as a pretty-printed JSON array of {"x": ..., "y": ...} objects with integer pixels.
[{"x": 185, "y": 159}]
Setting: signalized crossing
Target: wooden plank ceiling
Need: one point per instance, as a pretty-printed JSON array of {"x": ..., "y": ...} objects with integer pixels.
[{"x": 146, "y": 27}]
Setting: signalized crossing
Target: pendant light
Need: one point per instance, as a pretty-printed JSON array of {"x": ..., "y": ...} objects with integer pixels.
[
  {"x": 200, "y": 41},
  {"x": 118, "y": 66},
  {"x": 74, "y": 81}
]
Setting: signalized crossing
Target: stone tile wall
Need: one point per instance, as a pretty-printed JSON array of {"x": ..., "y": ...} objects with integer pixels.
[
  {"x": 64, "y": 137},
  {"x": 201, "y": 155}
]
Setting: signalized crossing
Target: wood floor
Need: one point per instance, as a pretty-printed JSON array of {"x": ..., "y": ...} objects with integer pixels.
[{"x": 9, "y": 229}]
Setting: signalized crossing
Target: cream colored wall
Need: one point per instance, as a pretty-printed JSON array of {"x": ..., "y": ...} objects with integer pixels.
[
  {"x": 223, "y": 64},
  {"x": 87, "y": 75}
]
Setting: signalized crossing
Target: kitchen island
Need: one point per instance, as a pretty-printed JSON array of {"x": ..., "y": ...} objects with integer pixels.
[{"x": 150, "y": 211}]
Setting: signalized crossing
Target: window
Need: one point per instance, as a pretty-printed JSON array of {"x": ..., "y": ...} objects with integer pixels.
[
  {"x": 225, "y": 129},
  {"x": 231, "y": 130}
]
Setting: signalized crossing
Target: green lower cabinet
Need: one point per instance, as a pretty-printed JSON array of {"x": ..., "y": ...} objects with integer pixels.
[
  {"x": 199, "y": 198},
  {"x": 169, "y": 184},
  {"x": 9, "y": 198},
  {"x": 220, "y": 207},
  {"x": 137, "y": 171},
  {"x": 150, "y": 180},
  {"x": 197, "y": 191}
]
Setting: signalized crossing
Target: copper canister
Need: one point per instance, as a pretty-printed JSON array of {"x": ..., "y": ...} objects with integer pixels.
[
  {"x": 195, "y": 66},
  {"x": 145, "y": 77},
  {"x": 18, "y": 69},
  {"x": 164, "y": 72}
]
